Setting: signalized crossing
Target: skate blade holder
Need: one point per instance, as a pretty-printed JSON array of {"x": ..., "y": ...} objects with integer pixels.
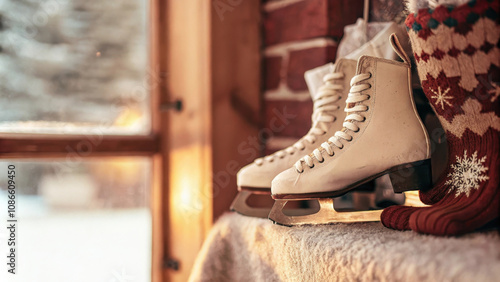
[
  {"x": 327, "y": 213},
  {"x": 242, "y": 206},
  {"x": 404, "y": 177}
]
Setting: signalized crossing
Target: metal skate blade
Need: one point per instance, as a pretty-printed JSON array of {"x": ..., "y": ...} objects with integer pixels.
[
  {"x": 259, "y": 203},
  {"x": 326, "y": 214},
  {"x": 241, "y": 206}
]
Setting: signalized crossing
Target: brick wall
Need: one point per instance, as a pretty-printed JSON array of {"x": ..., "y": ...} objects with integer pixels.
[{"x": 298, "y": 35}]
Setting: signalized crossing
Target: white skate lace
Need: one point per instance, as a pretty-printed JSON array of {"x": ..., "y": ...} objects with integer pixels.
[
  {"x": 354, "y": 97},
  {"x": 324, "y": 105}
]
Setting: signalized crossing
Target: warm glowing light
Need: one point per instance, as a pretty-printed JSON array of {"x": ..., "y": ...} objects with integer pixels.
[
  {"x": 98, "y": 54},
  {"x": 186, "y": 184},
  {"x": 185, "y": 195},
  {"x": 123, "y": 170},
  {"x": 128, "y": 118}
]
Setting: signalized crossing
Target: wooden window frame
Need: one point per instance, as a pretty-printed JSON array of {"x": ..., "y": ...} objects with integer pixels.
[
  {"x": 53, "y": 146},
  {"x": 208, "y": 67},
  {"x": 212, "y": 59}
]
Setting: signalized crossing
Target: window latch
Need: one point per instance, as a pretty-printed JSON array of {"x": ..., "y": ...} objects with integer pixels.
[
  {"x": 175, "y": 106},
  {"x": 171, "y": 263}
]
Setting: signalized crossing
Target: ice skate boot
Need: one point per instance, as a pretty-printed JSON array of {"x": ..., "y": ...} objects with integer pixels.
[
  {"x": 329, "y": 100},
  {"x": 382, "y": 134}
]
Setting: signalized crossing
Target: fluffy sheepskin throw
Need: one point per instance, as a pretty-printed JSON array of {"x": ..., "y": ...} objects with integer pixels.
[{"x": 241, "y": 248}]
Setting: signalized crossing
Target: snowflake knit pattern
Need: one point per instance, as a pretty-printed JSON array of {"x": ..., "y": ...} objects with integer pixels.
[{"x": 457, "y": 54}]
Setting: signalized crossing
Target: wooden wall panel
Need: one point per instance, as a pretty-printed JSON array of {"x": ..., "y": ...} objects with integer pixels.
[
  {"x": 236, "y": 100},
  {"x": 187, "y": 138},
  {"x": 212, "y": 63}
]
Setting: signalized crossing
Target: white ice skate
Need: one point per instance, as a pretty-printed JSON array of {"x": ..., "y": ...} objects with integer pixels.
[
  {"x": 326, "y": 84},
  {"x": 327, "y": 117},
  {"x": 382, "y": 134}
]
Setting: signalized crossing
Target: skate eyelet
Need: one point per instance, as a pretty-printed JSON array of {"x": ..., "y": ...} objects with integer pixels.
[
  {"x": 322, "y": 161},
  {"x": 312, "y": 166},
  {"x": 300, "y": 171},
  {"x": 357, "y": 130},
  {"x": 364, "y": 118},
  {"x": 370, "y": 75}
]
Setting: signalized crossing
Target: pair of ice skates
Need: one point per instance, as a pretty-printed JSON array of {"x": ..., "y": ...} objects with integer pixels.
[{"x": 380, "y": 135}]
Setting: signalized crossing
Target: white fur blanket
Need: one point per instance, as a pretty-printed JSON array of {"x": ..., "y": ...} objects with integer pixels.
[{"x": 241, "y": 248}]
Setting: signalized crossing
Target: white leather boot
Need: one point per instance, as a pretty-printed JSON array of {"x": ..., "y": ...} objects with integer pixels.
[
  {"x": 329, "y": 100},
  {"x": 382, "y": 134}
]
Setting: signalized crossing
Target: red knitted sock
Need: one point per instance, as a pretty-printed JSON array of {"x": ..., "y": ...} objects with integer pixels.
[{"x": 457, "y": 55}]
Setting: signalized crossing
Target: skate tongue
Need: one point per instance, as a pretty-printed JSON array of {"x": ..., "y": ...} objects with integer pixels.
[{"x": 399, "y": 49}]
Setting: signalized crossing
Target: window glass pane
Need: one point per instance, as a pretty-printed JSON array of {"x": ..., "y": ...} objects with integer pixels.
[
  {"x": 77, "y": 221},
  {"x": 75, "y": 66}
]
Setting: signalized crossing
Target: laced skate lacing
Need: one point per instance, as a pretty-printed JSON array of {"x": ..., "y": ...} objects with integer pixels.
[
  {"x": 354, "y": 97},
  {"x": 324, "y": 105}
]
